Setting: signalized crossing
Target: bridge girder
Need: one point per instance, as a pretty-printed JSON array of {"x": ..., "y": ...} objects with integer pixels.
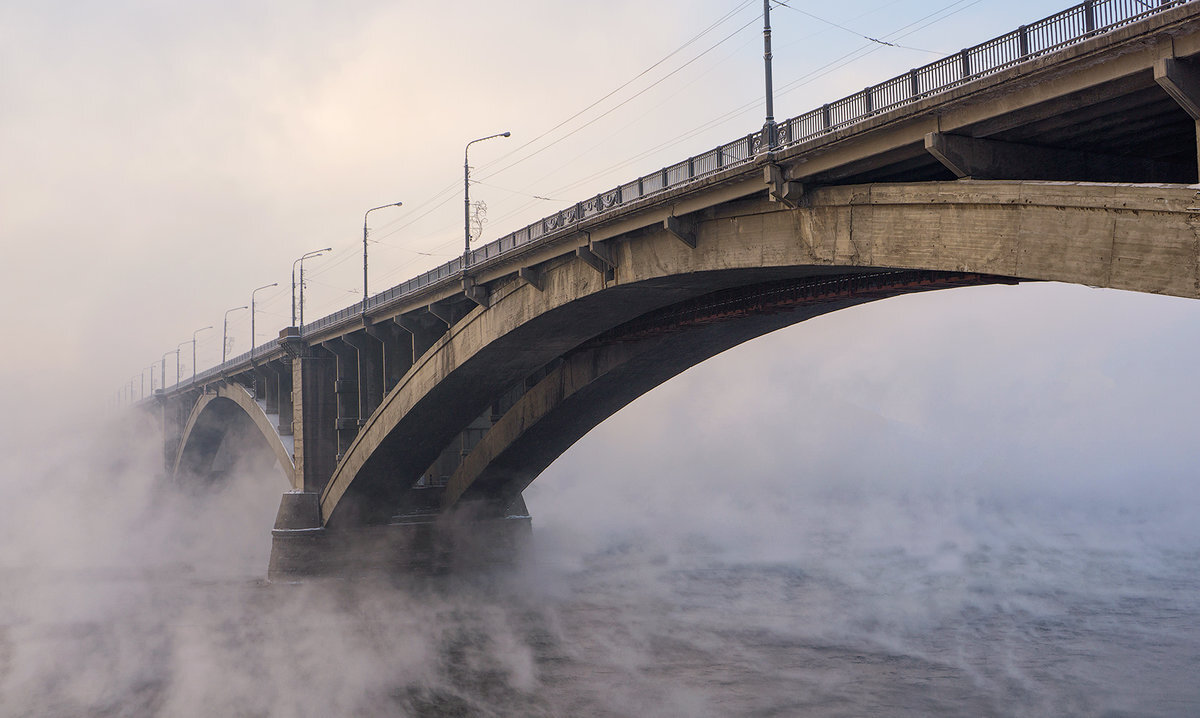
[
  {"x": 212, "y": 416},
  {"x": 1136, "y": 237}
]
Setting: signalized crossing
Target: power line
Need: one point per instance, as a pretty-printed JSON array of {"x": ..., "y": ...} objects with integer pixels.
[
  {"x": 876, "y": 40},
  {"x": 627, "y": 83}
]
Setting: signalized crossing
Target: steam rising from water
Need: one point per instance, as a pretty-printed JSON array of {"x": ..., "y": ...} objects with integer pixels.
[{"x": 790, "y": 530}]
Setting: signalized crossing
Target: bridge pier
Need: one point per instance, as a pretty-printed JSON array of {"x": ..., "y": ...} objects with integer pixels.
[
  {"x": 313, "y": 417},
  {"x": 415, "y": 545}
]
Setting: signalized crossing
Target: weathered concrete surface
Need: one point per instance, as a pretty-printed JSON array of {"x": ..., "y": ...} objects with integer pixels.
[
  {"x": 1135, "y": 237},
  {"x": 210, "y": 419}
]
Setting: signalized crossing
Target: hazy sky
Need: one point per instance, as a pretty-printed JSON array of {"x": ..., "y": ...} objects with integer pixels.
[{"x": 160, "y": 160}]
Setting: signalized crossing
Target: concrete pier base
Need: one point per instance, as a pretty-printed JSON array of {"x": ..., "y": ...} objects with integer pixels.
[{"x": 416, "y": 545}]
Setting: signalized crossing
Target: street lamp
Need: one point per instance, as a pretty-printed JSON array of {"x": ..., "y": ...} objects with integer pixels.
[
  {"x": 369, "y": 211},
  {"x": 314, "y": 253},
  {"x": 467, "y": 197},
  {"x": 770, "y": 129},
  {"x": 253, "y": 340},
  {"x": 225, "y": 333}
]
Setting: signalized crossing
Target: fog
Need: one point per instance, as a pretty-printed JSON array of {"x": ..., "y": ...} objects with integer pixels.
[
  {"x": 835, "y": 519},
  {"x": 972, "y": 502}
]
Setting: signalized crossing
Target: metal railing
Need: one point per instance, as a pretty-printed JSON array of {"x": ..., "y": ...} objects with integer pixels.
[{"x": 1027, "y": 42}]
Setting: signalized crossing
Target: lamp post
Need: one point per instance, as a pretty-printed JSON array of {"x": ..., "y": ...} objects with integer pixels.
[
  {"x": 300, "y": 261},
  {"x": 225, "y": 333},
  {"x": 770, "y": 129},
  {"x": 369, "y": 211},
  {"x": 253, "y": 339},
  {"x": 467, "y": 197},
  {"x": 151, "y": 368}
]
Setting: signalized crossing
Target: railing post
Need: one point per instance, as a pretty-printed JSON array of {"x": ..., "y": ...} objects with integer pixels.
[
  {"x": 913, "y": 88},
  {"x": 868, "y": 103},
  {"x": 664, "y": 178},
  {"x": 1089, "y": 15},
  {"x": 1023, "y": 40},
  {"x": 641, "y": 192},
  {"x": 721, "y": 156},
  {"x": 966, "y": 63},
  {"x": 827, "y": 116},
  {"x": 691, "y": 167}
]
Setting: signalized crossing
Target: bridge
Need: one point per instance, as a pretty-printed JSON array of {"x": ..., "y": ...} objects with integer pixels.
[{"x": 1063, "y": 151}]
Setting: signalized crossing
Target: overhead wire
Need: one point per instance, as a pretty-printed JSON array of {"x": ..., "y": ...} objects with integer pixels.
[
  {"x": 741, "y": 6},
  {"x": 876, "y": 40},
  {"x": 852, "y": 56}
]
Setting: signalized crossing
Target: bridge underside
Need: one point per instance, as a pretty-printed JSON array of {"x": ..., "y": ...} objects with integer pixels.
[{"x": 511, "y": 386}]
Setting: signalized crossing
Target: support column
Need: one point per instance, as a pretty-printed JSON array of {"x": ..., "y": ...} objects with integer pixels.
[
  {"x": 283, "y": 369},
  {"x": 269, "y": 379},
  {"x": 425, "y": 331},
  {"x": 346, "y": 388},
  {"x": 370, "y": 373},
  {"x": 397, "y": 352},
  {"x": 172, "y": 427},
  {"x": 314, "y": 372}
]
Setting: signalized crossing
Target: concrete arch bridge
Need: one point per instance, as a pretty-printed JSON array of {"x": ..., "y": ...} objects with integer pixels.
[{"x": 449, "y": 394}]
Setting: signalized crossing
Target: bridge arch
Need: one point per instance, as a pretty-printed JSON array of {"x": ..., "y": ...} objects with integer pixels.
[
  {"x": 559, "y": 336},
  {"x": 224, "y": 409}
]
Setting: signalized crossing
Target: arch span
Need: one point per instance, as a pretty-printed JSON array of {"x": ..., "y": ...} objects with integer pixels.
[
  {"x": 1137, "y": 237},
  {"x": 225, "y": 409}
]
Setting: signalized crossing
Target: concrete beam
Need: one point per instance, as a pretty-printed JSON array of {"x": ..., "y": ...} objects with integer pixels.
[
  {"x": 780, "y": 189},
  {"x": 533, "y": 277},
  {"x": 476, "y": 292},
  {"x": 976, "y": 158},
  {"x": 1181, "y": 80},
  {"x": 682, "y": 230},
  {"x": 598, "y": 257}
]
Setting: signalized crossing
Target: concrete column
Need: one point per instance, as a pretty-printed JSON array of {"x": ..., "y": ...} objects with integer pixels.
[
  {"x": 425, "y": 331},
  {"x": 283, "y": 369},
  {"x": 314, "y": 420},
  {"x": 172, "y": 428},
  {"x": 370, "y": 373},
  {"x": 397, "y": 352},
  {"x": 268, "y": 378},
  {"x": 346, "y": 388}
]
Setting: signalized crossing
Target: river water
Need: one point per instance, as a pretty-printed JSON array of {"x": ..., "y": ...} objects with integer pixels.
[
  {"x": 795, "y": 531},
  {"x": 920, "y": 606}
]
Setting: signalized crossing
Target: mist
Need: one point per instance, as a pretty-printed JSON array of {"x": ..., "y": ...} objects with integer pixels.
[
  {"x": 835, "y": 519},
  {"x": 973, "y": 502}
]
